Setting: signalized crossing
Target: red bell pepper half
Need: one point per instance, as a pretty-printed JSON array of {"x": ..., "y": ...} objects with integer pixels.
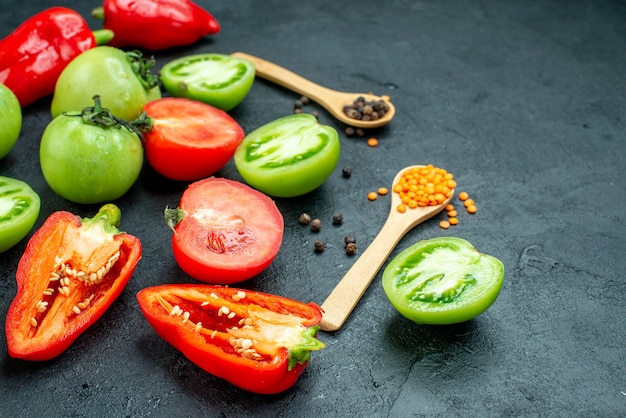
[
  {"x": 71, "y": 272},
  {"x": 257, "y": 341},
  {"x": 155, "y": 24},
  {"x": 33, "y": 56}
]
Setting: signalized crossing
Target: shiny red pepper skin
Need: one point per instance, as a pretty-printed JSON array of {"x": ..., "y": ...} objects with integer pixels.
[
  {"x": 156, "y": 24},
  {"x": 34, "y": 54}
]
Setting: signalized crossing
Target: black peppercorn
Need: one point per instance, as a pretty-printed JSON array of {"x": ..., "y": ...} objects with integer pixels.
[
  {"x": 304, "y": 219},
  {"x": 316, "y": 225},
  {"x": 350, "y": 131},
  {"x": 351, "y": 248},
  {"x": 297, "y": 104},
  {"x": 337, "y": 218},
  {"x": 304, "y": 100},
  {"x": 318, "y": 246},
  {"x": 349, "y": 240}
]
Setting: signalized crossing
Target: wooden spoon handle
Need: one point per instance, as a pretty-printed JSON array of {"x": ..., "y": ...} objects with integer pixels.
[
  {"x": 286, "y": 78},
  {"x": 344, "y": 297}
]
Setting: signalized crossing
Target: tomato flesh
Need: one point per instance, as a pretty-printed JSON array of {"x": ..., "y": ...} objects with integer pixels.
[
  {"x": 189, "y": 140},
  {"x": 228, "y": 233},
  {"x": 19, "y": 209},
  {"x": 288, "y": 157},
  {"x": 217, "y": 79},
  {"x": 442, "y": 281}
]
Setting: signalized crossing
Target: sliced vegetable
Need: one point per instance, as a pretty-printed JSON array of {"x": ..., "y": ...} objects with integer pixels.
[
  {"x": 10, "y": 120},
  {"x": 189, "y": 140},
  {"x": 257, "y": 341},
  {"x": 155, "y": 24},
  {"x": 90, "y": 157},
  {"x": 288, "y": 157},
  {"x": 219, "y": 80},
  {"x": 71, "y": 272},
  {"x": 19, "y": 209},
  {"x": 224, "y": 231},
  {"x": 442, "y": 281},
  {"x": 33, "y": 56},
  {"x": 123, "y": 80}
]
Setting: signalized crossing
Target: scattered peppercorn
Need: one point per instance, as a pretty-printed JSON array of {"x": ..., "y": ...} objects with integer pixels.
[
  {"x": 360, "y": 132},
  {"x": 350, "y": 131},
  {"x": 316, "y": 114},
  {"x": 351, "y": 248},
  {"x": 297, "y": 104},
  {"x": 304, "y": 219},
  {"x": 319, "y": 246},
  {"x": 316, "y": 225},
  {"x": 305, "y": 100},
  {"x": 337, "y": 218},
  {"x": 346, "y": 172},
  {"x": 297, "y": 110},
  {"x": 349, "y": 239}
]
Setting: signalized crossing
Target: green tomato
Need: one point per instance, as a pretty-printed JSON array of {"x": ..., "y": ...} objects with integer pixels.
[
  {"x": 121, "y": 79},
  {"x": 19, "y": 209},
  {"x": 288, "y": 157},
  {"x": 87, "y": 163},
  {"x": 216, "y": 79},
  {"x": 442, "y": 281},
  {"x": 10, "y": 120}
]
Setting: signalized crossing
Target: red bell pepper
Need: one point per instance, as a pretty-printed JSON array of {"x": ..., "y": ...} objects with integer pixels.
[
  {"x": 258, "y": 342},
  {"x": 155, "y": 24},
  {"x": 33, "y": 56},
  {"x": 71, "y": 272}
]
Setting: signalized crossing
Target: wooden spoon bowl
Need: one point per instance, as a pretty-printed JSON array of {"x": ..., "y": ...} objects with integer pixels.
[
  {"x": 332, "y": 100},
  {"x": 344, "y": 297}
]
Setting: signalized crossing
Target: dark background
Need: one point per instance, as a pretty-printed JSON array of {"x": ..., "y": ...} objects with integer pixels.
[{"x": 523, "y": 101}]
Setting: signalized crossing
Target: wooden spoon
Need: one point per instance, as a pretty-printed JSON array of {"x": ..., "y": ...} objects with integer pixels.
[
  {"x": 331, "y": 100},
  {"x": 344, "y": 297}
]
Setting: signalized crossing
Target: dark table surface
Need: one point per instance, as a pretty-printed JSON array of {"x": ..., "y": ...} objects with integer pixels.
[{"x": 523, "y": 101}]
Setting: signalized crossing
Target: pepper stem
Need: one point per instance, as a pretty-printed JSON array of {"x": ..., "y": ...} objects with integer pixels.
[
  {"x": 103, "y": 36},
  {"x": 98, "y": 13},
  {"x": 109, "y": 217}
]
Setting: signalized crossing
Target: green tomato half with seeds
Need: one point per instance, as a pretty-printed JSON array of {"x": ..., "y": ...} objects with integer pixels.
[
  {"x": 86, "y": 163},
  {"x": 288, "y": 157},
  {"x": 10, "y": 120},
  {"x": 19, "y": 209},
  {"x": 442, "y": 281},
  {"x": 216, "y": 79}
]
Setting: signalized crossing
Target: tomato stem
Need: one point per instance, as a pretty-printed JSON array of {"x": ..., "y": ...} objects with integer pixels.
[
  {"x": 102, "y": 117},
  {"x": 141, "y": 66}
]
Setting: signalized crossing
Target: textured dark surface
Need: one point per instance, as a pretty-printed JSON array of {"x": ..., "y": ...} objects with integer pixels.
[{"x": 523, "y": 102}]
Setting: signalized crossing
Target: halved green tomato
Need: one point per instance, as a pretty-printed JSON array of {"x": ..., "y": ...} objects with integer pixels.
[
  {"x": 19, "y": 209},
  {"x": 442, "y": 281},
  {"x": 216, "y": 79},
  {"x": 288, "y": 157}
]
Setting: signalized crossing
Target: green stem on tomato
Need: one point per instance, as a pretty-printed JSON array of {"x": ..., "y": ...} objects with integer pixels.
[{"x": 141, "y": 66}]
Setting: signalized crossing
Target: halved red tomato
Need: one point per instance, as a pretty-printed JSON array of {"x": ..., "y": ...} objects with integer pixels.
[
  {"x": 224, "y": 231},
  {"x": 189, "y": 140}
]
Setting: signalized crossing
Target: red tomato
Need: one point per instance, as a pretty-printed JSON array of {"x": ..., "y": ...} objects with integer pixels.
[
  {"x": 190, "y": 140},
  {"x": 224, "y": 231}
]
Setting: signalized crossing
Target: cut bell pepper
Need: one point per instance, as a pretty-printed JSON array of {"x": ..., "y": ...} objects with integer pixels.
[
  {"x": 71, "y": 272},
  {"x": 257, "y": 341}
]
